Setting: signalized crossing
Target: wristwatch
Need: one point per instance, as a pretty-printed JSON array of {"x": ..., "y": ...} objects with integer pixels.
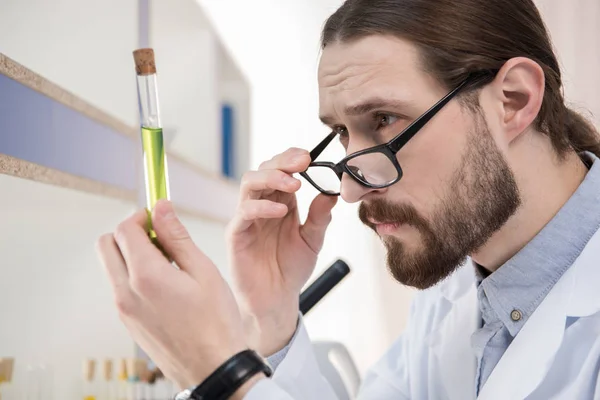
[{"x": 228, "y": 378}]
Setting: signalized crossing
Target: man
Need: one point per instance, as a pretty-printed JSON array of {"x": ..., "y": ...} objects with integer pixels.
[{"x": 483, "y": 185}]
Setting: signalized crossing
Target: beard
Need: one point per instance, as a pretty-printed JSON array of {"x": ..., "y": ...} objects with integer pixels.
[{"x": 482, "y": 195}]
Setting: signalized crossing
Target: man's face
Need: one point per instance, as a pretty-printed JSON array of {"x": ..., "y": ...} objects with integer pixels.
[{"x": 456, "y": 189}]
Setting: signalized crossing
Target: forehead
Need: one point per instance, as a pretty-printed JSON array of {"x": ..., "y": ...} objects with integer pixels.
[{"x": 374, "y": 66}]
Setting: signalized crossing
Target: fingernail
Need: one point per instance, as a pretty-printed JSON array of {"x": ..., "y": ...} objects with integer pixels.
[
  {"x": 164, "y": 210},
  {"x": 300, "y": 159},
  {"x": 288, "y": 180}
]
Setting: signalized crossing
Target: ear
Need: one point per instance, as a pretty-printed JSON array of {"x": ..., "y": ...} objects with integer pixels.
[{"x": 520, "y": 87}]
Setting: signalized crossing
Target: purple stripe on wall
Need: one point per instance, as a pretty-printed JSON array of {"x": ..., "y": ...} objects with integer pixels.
[{"x": 38, "y": 129}]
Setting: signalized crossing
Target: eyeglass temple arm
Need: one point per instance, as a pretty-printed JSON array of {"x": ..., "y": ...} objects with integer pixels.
[
  {"x": 413, "y": 128},
  {"x": 316, "y": 152}
]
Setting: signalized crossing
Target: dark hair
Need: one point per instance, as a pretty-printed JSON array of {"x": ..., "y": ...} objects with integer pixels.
[{"x": 457, "y": 38}]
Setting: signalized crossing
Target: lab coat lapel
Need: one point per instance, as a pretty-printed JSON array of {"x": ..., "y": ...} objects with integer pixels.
[
  {"x": 529, "y": 357},
  {"x": 451, "y": 342}
]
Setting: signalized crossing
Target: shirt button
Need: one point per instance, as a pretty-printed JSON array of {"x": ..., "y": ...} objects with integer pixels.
[{"x": 516, "y": 315}]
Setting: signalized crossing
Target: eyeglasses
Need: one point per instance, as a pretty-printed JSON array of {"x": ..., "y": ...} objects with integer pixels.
[{"x": 376, "y": 167}]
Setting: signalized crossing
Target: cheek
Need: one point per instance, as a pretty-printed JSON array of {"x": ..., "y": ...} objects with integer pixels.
[{"x": 429, "y": 162}]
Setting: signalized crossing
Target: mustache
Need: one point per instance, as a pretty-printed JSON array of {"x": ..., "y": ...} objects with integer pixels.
[{"x": 385, "y": 212}]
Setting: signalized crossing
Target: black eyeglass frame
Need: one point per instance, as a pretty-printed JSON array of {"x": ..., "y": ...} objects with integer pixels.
[{"x": 389, "y": 149}]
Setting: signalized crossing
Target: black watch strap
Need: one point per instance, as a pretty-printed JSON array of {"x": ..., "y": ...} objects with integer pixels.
[{"x": 230, "y": 376}]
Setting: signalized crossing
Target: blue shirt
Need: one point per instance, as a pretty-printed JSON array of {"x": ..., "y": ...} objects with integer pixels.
[{"x": 509, "y": 296}]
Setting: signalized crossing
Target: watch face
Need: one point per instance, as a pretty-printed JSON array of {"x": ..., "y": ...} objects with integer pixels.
[{"x": 185, "y": 395}]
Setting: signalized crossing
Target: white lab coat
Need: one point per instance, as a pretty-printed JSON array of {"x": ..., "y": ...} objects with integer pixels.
[{"x": 556, "y": 355}]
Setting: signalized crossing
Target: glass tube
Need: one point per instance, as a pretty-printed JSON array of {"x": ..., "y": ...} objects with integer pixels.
[
  {"x": 123, "y": 379},
  {"x": 154, "y": 158},
  {"x": 32, "y": 383}
]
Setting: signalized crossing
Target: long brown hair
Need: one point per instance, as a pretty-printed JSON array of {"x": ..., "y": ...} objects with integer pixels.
[{"x": 457, "y": 38}]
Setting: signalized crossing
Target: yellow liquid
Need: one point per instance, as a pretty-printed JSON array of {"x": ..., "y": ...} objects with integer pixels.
[{"x": 155, "y": 170}]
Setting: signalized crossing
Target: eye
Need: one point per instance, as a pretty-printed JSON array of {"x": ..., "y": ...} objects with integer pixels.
[
  {"x": 384, "y": 120},
  {"x": 342, "y": 132}
]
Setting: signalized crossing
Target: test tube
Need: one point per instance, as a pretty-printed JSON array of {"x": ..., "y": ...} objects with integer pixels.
[
  {"x": 123, "y": 378},
  {"x": 135, "y": 369},
  {"x": 154, "y": 158},
  {"x": 108, "y": 379},
  {"x": 6, "y": 372},
  {"x": 89, "y": 371}
]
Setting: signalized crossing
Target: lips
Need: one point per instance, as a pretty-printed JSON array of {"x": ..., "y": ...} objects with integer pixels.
[
  {"x": 384, "y": 228},
  {"x": 387, "y": 218}
]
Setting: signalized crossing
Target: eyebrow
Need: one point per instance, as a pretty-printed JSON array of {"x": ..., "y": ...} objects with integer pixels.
[{"x": 368, "y": 106}]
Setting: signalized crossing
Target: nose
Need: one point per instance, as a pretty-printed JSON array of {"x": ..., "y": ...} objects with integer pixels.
[{"x": 352, "y": 191}]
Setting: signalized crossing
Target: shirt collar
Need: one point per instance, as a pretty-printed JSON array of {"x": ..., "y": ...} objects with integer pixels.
[{"x": 516, "y": 289}]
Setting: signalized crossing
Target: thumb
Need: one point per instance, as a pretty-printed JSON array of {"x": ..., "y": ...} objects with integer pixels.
[
  {"x": 175, "y": 239},
  {"x": 317, "y": 221}
]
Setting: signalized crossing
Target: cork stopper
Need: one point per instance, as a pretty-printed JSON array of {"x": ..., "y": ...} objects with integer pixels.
[
  {"x": 108, "y": 370},
  {"x": 133, "y": 368},
  {"x": 122, "y": 374},
  {"x": 89, "y": 369},
  {"x": 144, "y": 61},
  {"x": 6, "y": 369}
]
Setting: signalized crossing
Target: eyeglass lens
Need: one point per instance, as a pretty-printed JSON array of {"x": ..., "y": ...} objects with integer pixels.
[{"x": 371, "y": 168}]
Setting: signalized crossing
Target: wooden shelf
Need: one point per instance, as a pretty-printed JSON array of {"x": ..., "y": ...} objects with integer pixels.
[{"x": 49, "y": 135}]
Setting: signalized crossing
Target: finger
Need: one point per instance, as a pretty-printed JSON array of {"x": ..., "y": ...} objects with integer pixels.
[
  {"x": 116, "y": 269},
  {"x": 291, "y": 161},
  {"x": 317, "y": 221},
  {"x": 176, "y": 240},
  {"x": 252, "y": 210},
  {"x": 255, "y": 182},
  {"x": 113, "y": 262},
  {"x": 131, "y": 236}
]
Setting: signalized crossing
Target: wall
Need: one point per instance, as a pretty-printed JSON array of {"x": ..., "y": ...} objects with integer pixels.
[
  {"x": 234, "y": 90},
  {"x": 195, "y": 76},
  {"x": 55, "y": 304},
  {"x": 56, "y": 307},
  {"x": 575, "y": 30},
  {"x": 185, "y": 55},
  {"x": 84, "y": 47}
]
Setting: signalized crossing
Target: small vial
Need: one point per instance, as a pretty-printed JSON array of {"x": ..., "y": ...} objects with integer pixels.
[{"x": 154, "y": 157}]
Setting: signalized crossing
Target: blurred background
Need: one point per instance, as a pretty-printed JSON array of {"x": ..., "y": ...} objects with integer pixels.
[{"x": 237, "y": 84}]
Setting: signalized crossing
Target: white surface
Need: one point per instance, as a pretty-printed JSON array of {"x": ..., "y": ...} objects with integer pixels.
[
  {"x": 195, "y": 75},
  {"x": 56, "y": 306},
  {"x": 185, "y": 57},
  {"x": 575, "y": 30}
]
